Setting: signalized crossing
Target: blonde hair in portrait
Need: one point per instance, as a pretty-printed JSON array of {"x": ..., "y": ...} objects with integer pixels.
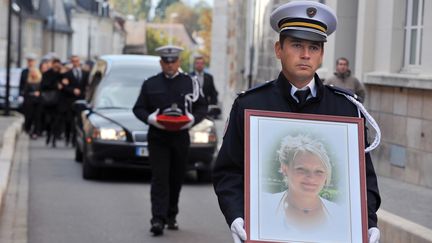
[{"x": 291, "y": 146}]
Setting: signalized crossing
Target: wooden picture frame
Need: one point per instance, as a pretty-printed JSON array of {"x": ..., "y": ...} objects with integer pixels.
[{"x": 304, "y": 178}]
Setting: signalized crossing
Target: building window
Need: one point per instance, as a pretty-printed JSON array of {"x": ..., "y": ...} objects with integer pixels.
[{"x": 413, "y": 33}]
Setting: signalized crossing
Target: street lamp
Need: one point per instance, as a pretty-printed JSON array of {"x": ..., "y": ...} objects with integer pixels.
[
  {"x": 16, "y": 8},
  {"x": 172, "y": 16}
]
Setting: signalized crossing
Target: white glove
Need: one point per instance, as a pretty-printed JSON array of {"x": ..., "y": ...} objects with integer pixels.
[
  {"x": 152, "y": 119},
  {"x": 374, "y": 235},
  {"x": 237, "y": 230},
  {"x": 189, "y": 124}
]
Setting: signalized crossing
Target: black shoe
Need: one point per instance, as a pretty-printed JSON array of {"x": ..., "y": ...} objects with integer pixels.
[
  {"x": 172, "y": 224},
  {"x": 157, "y": 228}
]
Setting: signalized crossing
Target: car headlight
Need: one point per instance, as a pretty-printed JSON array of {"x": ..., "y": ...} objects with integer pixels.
[
  {"x": 114, "y": 134},
  {"x": 203, "y": 132}
]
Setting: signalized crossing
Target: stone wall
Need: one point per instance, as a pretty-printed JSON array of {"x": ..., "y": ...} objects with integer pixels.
[{"x": 405, "y": 118}]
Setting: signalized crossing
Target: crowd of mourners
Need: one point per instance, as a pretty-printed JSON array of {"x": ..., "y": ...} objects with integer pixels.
[{"x": 49, "y": 90}]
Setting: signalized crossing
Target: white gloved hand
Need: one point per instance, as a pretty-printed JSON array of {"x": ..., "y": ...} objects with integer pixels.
[
  {"x": 237, "y": 230},
  {"x": 152, "y": 119},
  {"x": 189, "y": 124},
  {"x": 374, "y": 235}
]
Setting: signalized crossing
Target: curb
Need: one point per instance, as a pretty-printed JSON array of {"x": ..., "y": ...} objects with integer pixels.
[
  {"x": 395, "y": 229},
  {"x": 6, "y": 154}
]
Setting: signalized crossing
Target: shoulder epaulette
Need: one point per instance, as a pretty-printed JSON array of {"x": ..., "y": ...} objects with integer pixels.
[
  {"x": 265, "y": 84},
  {"x": 339, "y": 90}
]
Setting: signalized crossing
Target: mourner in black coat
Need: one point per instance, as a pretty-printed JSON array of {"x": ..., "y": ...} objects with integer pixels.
[
  {"x": 74, "y": 86},
  {"x": 206, "y": 81},
  {"x": 303, "y": 28},
  {"x": 168, "y": 150},
  {"x": 50, "y": 100}
]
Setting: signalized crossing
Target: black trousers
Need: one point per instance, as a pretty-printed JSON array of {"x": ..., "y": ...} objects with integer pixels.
[{"x": 168, "y": 153}]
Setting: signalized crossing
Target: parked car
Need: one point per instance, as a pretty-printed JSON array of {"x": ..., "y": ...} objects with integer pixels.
[
  {"x": 15, "y": 100},
  {"x": 109, "y": 134}
]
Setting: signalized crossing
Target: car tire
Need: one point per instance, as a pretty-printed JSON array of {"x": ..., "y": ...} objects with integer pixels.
[
  {"x": 89, "y": 172},
  {"x": 78, "y": 155},
  {"x": 204, "y": 175}
]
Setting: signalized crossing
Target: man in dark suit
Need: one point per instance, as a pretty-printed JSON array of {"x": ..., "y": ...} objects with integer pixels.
[
  {"x": 205, "y": 80},
  {"x": 74, "y": 84},
  {"x": 77, "y": 77}
]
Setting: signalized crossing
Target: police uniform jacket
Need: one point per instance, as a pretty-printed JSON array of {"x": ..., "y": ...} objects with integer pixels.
[
  {"x": 159, "y": 92},
  {"x": 228, "y": 173}
]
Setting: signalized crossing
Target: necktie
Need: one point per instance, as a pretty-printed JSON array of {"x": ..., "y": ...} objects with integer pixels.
[
  {"x": 302, "y": 95},
  {"x": 77, "y": 74}
]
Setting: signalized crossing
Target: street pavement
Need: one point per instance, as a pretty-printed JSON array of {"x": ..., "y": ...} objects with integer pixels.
[{"x": 197, "y": 224}]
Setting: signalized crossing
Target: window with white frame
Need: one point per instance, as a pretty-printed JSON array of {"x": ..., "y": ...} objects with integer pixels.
[{"x": 413, "y": 33}]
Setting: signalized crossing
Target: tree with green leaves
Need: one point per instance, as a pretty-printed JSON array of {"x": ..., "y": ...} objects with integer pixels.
[
  {"x": 205, "y": 21},
  {"x": 184, "y": 15},
  {"x": 138, "y": 8},
  {"x": 160, "y": 11}
]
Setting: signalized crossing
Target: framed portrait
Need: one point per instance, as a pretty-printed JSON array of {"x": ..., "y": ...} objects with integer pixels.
[{"x": 304, "y": 178}]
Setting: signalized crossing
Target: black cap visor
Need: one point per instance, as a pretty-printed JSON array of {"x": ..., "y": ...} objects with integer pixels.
[
  {"x": 304, "y": 35},
  {"x": 169, "y": 59}
]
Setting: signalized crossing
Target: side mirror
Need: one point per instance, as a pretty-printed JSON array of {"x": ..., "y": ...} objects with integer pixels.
[{"x": 80, "y": 105}]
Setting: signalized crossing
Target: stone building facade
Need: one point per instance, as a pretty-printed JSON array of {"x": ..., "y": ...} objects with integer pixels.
[{"x": 386, "y": 42}]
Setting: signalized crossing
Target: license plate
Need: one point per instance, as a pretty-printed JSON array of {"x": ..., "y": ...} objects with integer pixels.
[{"x": 142, "y": 151}]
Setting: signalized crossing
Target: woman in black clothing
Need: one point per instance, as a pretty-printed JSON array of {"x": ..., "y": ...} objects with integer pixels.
[
  {"x": 31, "y": 106},
  {"x": 49, "y": 97}
]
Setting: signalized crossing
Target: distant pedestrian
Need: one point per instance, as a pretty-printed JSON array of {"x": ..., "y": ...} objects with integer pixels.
[
  {"x": 205, "y": 80},
  {"x": 31, "y": 106},
  {"x": 31, "y": 63},
  {"x": 342, "y": 78},
  {"x": 170, "y": 103},
  {"x": 50, "y": 95},
  {"x": 44, "y": 65},
  {"x": 74, "y": 83}
]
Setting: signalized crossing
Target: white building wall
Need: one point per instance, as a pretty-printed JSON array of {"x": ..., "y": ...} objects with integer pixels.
[
  {"x": 32, "y": 39},
  {"x": 366, "y": 35},
  {"x": 119, "y": 41},
  {"x": 80, "y": 26},
  {"x": 219, "y": 55},
  {"x": 383, "y": 53},
  {"x": 426, "y": 59},
  {"x": 344, "y": 43},
  {"x": 3, "y": 32}
]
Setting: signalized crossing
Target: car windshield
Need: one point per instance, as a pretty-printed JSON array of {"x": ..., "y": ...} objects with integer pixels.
[{"x": 122, "y": 85}]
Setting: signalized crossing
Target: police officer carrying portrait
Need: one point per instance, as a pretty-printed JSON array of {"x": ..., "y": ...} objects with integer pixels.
[
  {"x": 170, "y": 103},
  {"x": 303, "y": 27}
]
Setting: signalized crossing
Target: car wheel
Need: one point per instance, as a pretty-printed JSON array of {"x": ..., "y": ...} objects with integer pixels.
[
  {"x": 78, "y": 155},
  {"x": 89, "y": 171},
  {"x": 204, "y": 175}
]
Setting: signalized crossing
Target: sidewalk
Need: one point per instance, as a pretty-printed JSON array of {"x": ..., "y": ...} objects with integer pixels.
[
  {"x": 10, "y": 127},
  {"x": 408, "y": 201}
]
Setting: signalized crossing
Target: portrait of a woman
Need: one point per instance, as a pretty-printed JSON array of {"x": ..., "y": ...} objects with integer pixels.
[{"x": 306, "y": 169}]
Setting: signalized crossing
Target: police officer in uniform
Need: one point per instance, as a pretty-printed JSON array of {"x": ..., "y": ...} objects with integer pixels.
[
  {"x": 303, "y": 27},
  {"x": 173, "y": 95}
]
